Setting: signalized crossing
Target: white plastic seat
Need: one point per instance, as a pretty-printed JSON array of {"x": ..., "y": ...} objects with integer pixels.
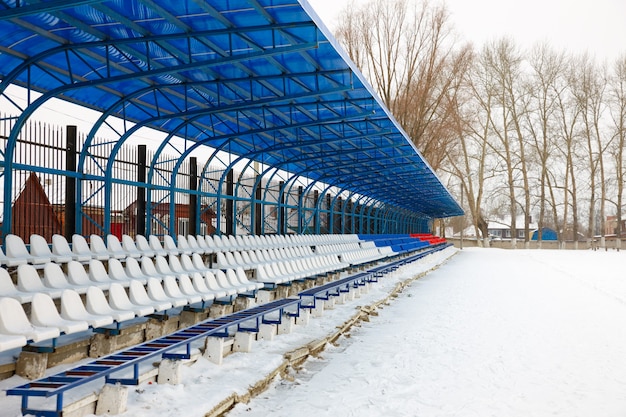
[
  {"x": 172, "y": 289},
  {"x": 157, "y": 293},
  {"x": 43, "y": 313},
  {"x": 133, "y": 271},
  {"x": 200, "y": 285},
  {"x": 98, "y": 247},
  {"x": 222, "y": 281},
  {"x": 129, "y": 247},
  {"x": 243, "y": 279},
  {"x": 54, "y": 277},
  {"x": 156, "y": 246},
  {"x": 198, "y": 263},
  {"x": 114, "y": 247},
  {"x": 118, "y": 299},
  {"x": 149, "y": 270},
  {"x": 194, "y": 245},
  {"x": 72, "y": 308},
  {"x": 13, "y": 321},
  {"x": 189, "y": 265},
  {"x": 163, "y": 267},
  {"x": 183, "y": 245},
  {"x": 28, "y": 280},
  {"x": 231, "y": 277},
  {"x": 41, "y": 253},
  {"x": 211, "y": 244},
  {"x": 17, "y": 253},
  {"x": 118, "y": 273},
  {"x": 96, "y": 303},
  {"x": 138, "y": 295},
  {"x": 81, "y": 248},
  {"x": 3, "y": 257},
  {"x": 170, "y": 246},
  {"x": 11, "y": 341},
  {"x": 202, "y": 244},
  {"x": 61, "y": 248},
  {"x": 99, "y": 275},
  {"x": 77, "y": 276},
  {"x": 187, "y": 287},
  {"x": 175, "y": 266},
  {"x": 8, "y": 289},
  {"x": 143, "y": 246},
  {"x": 215, "y": 285}
]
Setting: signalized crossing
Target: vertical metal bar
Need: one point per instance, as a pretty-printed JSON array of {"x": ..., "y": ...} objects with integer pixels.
[
  {"x": 140, "y": 217},
  {"x": 193, "y": 197},
  {"x": 257, "y": 206},
  {"x": 230, "y": 216},
  {"x": 70, "y": 182}
]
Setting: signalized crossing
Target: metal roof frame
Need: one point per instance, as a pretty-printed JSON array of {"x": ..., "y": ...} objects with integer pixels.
[{"x": 261, "y": 78}]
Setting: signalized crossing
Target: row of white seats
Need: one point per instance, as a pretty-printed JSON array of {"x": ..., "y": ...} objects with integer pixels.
[
  {"x": 60, "y": 250},
  {"x": 251, "y": 259},
  {"x": 47, "y": 323},
  {"x": 286, "y": 271},
  {"x": 54, "y": 280}
]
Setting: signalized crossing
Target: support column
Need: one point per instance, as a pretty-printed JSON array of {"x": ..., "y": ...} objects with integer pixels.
[
  {"x": 193, "y": 197},
  {"x": 281, "y": 209},
  {"x": 70, "y": 183},
  {"x": 258, "y": 218},
  {"x": 230, "y": 190},
  {"x": 140, "y": 218},
  {"x": 316, "y": 213}
]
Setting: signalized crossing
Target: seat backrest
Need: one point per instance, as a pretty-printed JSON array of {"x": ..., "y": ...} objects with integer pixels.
[
  {"x": 129, "y": 247},
  {"x": 183, "y": 245},
  {"x": 117, "y": 271},
  {"x": 97, "y": 246},
  {"x": 43, "y": 310},
  {"x": 39, "y": 249},
  {"x": 175, "y": 264},
  {"x": 28, "y": 279},
  {"x": 148, "y": 268},
  {"x": 162, "y": 267},
  {"x": 77, "y": 275},
  {"x": 80, "y": 246},
  {"x": 169, "y": 245},
  {"x": 114, "y": 247},
  {"x": 60, "y": 245},
  {"x": 221, "y": 279},
  {"x": 198, "y": 263},
  {"x": 13, "y": 319},
  {"x": 53, "y": 276},
  {"x": 133, "y": 269},
  {"x": 15, "y": 247},
  {"x": 155, "y": 245},
  {"x": 143, "y": 246}
]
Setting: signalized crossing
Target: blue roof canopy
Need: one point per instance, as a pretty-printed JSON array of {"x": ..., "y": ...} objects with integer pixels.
[{"x": 263, "y": 76}]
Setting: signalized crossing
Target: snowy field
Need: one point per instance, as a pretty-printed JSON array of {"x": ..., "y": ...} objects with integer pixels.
[{"x": 490, "y": 333}]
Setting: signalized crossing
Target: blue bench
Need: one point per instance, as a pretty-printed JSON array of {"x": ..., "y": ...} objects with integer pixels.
[{"x": 173, "y": 346}]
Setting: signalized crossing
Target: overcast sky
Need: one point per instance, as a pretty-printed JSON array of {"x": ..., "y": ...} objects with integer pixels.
[{"x": 596, "y": 26}]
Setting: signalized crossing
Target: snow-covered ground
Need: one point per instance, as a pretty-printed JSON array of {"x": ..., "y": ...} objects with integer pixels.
[{"x": 490, "y": 333}]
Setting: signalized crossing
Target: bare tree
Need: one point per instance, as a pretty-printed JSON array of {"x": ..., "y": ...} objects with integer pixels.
[
  {"x": 617, "y": 108},
  {"x": 546, "y": 84},
  {"x": 407, "y": 51}
]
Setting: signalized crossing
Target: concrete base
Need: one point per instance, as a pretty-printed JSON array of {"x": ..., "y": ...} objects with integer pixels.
[
  {"x": 156, "y": 328},
  {"x": 341, "y": 298},
  {"x": 282, "y": 291},
  {"x": 243, "y": 341},
  {"x": 104, "y": 344},
  {"x": 31, "y": 365},
  {"x": 267, "y": 332},
  {"x": 329, "y": 304},
  {"x": 318, "y": 311},
  {"x": 170, "y": 372},
  {"x": 214, "y": 350},
  {"x": 189, "y": 318},
  {"x": 112, "y": 400},
  {"x": 286, "y": 325},
  {"x": 220, "y": 310},
  {"x": 303, "y": 318},
  {"x": 243, "y": 303},
  {"x": 350, "y": 294},
  {"x": 264, "y": 296}
]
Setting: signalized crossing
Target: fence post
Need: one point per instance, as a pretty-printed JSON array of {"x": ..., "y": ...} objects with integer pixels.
[
  {"x": 69, "y": 227},
  {"x": 140, "y": 218}
]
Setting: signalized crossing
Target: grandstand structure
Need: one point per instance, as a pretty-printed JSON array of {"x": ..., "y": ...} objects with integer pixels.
[{"x": 276, "y": 178}]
